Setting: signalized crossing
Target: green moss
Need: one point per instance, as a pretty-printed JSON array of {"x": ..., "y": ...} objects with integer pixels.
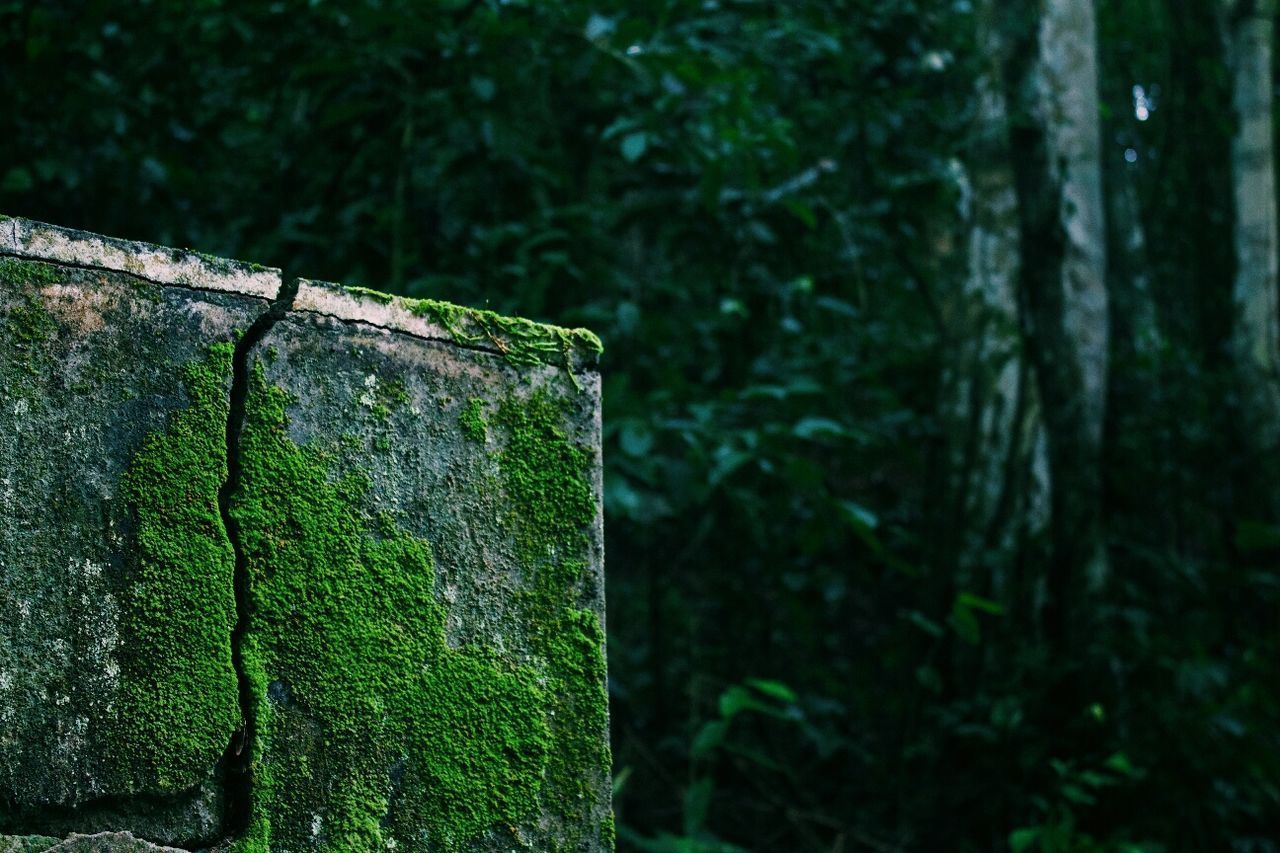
[
  {"x": 368, "y": 293},
  {"x": 371, "y": 729},
  {"x": 26, "y": 843},
  {"x": 608, "y": 833},
  {"x": 178, "y": 701},
  {"x": 211, "y": 260},
  {"x": 28, "y": 326},
  {"x": 472, "y": 421},
  {"x": 382, "y": 398},
  {"x": 546, "y": 478},
  {"x": 28, "y": 272},
  {"x": 346, "y": 624},
  {"x": 520, "y": 341},
  {"x": 396, "y": 392}
]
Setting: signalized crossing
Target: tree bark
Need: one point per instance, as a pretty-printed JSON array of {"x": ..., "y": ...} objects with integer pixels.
[
  {"x": 1256, "y": 334},
  {"x": 998, "y": 468},
  {"x": 1052, "y": 80}
]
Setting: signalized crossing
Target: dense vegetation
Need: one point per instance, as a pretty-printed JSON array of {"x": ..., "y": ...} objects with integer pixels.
[{"x": 819, "y": 638}]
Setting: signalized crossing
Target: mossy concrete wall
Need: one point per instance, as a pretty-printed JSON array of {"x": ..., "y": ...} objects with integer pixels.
[{"x": 291, "y": 566}]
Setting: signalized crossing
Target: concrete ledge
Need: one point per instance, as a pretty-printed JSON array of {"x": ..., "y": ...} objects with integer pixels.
[{"x": 38, "y": 241}]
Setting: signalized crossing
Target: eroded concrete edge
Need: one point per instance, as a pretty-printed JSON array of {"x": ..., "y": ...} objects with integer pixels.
[
  {"x": 26, "y": 240},
  {"x": 38, "y": 241},
  {"x": 515, "y": 339},
  {"x": 512, "y": 339}
]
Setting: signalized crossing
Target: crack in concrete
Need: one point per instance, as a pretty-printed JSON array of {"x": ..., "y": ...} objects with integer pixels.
[
  {"x": 237, "y": 763},
  {"x": 236, "y": 769}
]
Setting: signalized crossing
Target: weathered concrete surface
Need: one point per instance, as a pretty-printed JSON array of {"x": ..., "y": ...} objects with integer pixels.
[
  {"x": 415, "y": 503},
  {"x": 92, "y": 364},
  {"x": 418, "y": 431},
  {"x": 103, "y": 842}
]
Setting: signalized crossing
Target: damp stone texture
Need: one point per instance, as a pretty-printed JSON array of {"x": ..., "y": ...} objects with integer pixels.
[{"x": 291, "y": 566}]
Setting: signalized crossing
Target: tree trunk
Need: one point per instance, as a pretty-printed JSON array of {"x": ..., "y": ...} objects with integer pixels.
[
  {"x": 998, "y": 471},
  {"x": 1256, "y": 338},
  {"x": 1052, "y": 79}
]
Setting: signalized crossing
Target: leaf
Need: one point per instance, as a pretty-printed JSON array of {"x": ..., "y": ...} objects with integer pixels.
[
  {"x": 924, "y": 623},
  {"x": 965, "y": 624},
  {"x": 727, "y": 461},
  {"x": 16, "y": 180},
  {"x": 620, "y": 781},
  {"x": 858, "y": 515},
  {"x": 737, "y": 699},
  {"x": 812, "y": 428},
  {"x": 801, "y": 211},
  {"x": 636, "y": 439},
  {"x": 618, "y": 127},
  {"x": 1077, "y": 795},
  {"x": 697, "y": 802},
  {"x": 634, "y": 145},
  {"x": 776, "y": 689},
  {"x": 708, "y": 739},
  {"x": 1021, "y": 840},
  {"x": 974, "y": 602},
  {"x": 484, "y": 88},
  {"x": 599, "y": 27},
  {"x": 1257, "y": 536},
  {"x": 733, "y": 700},
  {"x": 1119, "y": 762}
]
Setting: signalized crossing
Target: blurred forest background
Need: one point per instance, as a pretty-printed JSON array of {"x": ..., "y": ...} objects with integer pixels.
[{"x": 942, "y": 371}]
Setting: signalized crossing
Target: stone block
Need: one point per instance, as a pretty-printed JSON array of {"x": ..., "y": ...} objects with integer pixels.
[{"x": 291, "y": 568}]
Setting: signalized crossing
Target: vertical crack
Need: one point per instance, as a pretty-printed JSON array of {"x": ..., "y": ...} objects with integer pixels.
[{"x": 237, "y": 761}]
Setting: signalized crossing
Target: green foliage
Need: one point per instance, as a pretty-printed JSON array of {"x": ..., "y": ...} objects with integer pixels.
[
  {"x": 732, "y": 736},
  {"x": 1078, "y": 789}
]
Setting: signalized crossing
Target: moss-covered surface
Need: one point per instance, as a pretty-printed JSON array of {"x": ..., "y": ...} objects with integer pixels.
[
  {"x": 376, "y": 295},
  {"x": 472, "y": 420},
  {"x": 26, "y": 843},
  {"x": 177, "y": 702},
  {"x": 371, "y": 728},
  {"x": 14, "y": 271},
  {"x": 519, "y": 341},
  {"x": 27, "y": 325},
  {"x": 115, "y": 686},
  {"x": 389, "y": 713},
  {"x": 546, "y": 478}
]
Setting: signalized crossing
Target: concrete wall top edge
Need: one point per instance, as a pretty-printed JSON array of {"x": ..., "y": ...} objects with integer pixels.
[
  {"x": 519, "y": 340},
  {"x": 25, "y": 238}
]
